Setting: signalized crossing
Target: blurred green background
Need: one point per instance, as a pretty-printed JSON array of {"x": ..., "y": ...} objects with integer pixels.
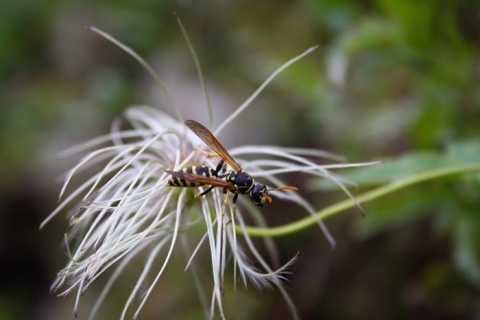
[{"x": 391, "y": 80}]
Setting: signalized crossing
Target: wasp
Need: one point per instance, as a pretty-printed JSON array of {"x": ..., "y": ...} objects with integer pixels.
[{"x": 235, "y": 181}]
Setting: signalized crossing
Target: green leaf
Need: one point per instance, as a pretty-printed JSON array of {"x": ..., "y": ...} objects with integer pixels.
[{"x": 465, "y": 152}]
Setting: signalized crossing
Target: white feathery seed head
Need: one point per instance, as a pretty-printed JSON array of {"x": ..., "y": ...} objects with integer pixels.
[{"x": 127, "y": 208}]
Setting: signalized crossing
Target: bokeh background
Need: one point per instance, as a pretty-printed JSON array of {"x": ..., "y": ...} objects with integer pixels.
[{"x": 391, "y": 80}]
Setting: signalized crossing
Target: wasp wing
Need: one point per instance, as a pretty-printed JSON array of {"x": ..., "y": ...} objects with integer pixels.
[
  {"x": 210, "y": 140},
  {"x": 196, "y": 178}
]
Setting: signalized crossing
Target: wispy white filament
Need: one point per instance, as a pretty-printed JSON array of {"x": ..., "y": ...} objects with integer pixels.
[{"x": 125, "y": 208}]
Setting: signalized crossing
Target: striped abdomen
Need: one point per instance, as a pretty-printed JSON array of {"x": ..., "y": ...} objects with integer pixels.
[{"x": 197, "y": 170}]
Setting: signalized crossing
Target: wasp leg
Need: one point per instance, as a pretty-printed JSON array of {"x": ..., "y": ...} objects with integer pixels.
[
  {"x": 215, "y": 173},
  {"x": 219, "y": 167},
  {"x": 208, "y": 154},
  {"x": 234, "y": 208},
  {"x": 199, "y": 195},
  {"x": 225, "y": 201}
]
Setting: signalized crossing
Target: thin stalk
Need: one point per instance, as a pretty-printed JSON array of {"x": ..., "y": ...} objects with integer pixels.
[
  {"x": 199, "y": 70},
  {"x": 260, "y": 89},
  {"x": 367, "y": 196},
  {"x": 137, "y": 57}
]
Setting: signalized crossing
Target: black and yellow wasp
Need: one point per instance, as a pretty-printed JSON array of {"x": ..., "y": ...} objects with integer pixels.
[{"x": 235, "y": 181}]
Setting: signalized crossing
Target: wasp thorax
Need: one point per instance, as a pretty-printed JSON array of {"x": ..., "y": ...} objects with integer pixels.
[
  {"x": 242, "y": 181},
  {"x": 259, "y": 194}
]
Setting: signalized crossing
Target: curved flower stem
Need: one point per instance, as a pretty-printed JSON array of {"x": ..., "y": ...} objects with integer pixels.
[
  {"x": 248, "y": 102},
  {"x": 140, "y": 60},
  {"x": 199, "y": 70},
  {"x": 367, "y": 196}
]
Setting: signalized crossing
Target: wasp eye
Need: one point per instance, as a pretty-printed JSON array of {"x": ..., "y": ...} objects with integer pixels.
[
  {"x": 264, "y": 199},
  {"x": 259, "y": 194}
]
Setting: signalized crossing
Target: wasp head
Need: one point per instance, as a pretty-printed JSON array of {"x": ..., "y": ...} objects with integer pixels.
[{"x": 259, "y": 195}]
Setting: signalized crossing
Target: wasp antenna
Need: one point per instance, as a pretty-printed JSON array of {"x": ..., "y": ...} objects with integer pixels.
[
  {"x": 288, "y": 188},
  {"x": 284, "y": 188}
]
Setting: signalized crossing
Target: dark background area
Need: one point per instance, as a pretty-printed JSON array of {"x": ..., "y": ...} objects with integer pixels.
[{"x": 389, "y": 79}]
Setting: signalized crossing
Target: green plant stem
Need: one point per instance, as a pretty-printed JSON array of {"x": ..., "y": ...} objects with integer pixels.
[{"x": 367, "y": 196}]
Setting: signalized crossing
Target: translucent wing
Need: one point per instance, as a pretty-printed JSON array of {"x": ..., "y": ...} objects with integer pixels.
[
  {"x": 195, "y": 178},
  {"x": 210, "y": 140}
]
